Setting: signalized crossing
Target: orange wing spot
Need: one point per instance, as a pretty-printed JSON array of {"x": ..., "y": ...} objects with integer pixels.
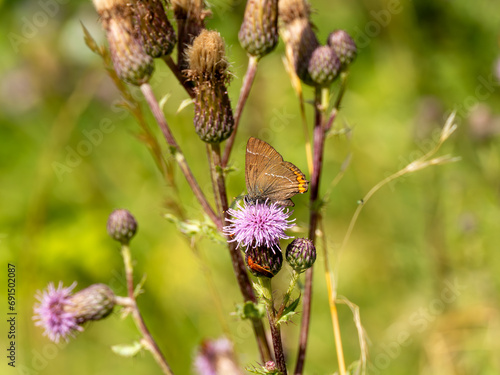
[{"x": 301, "y": 180}]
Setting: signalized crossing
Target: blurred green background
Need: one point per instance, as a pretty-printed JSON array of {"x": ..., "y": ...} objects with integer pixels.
[{"x": 418, "y": 61}]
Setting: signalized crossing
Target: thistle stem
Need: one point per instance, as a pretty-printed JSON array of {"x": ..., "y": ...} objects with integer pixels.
[
  {"x": 178, "y": 74},
  {"x": 286, "y": 297},
  {"x": 148, "y": 340},
  {"x": 245, "y": 91},
  {"x": 320, "y": 105},
  {"x": 275, "y": 328},
  {"x": 236, "y": 258},
  {"x": 179, "y": 156}
]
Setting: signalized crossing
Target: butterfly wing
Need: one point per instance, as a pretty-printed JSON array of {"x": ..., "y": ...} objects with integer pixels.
[{"x": 269, "y": 177}]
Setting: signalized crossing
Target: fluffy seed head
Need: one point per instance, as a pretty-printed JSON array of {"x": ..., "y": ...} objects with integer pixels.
[
  {"x": 290, "y": 10},
  {"x": 213, "y": 115},
  {"x": 190, "y": 17}
]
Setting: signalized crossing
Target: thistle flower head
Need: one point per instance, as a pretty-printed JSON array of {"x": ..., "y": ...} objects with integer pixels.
[
  {"x": 216, "y": 357},
  {"x": 259, "y": 31},
  {"x": 213, "y": 115},
  {"x": 258, "y": 225},
  {"x": 324, "y": 66},
  {"x": 344, "y": 46},
  {"x": 153, "y": 28},
  {"x": 121, "y": 226},
  {"x": 50, "y": 313},
  {"x": 301, "y": 254},
  {"x": 61, "y": 314},
  {"x": 130, "y": 61}
]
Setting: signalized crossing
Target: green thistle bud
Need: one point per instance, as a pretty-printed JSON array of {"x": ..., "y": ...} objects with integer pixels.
[
  {"x": 344, "y": 46},
  {"x": 213, "y": 116},
  {"x": 301, "y": 254},
  {"x": 259, "y": 31},
  {"x": 190, "y": 17},
  {"x": 153, "y": 28},
  {"x": 93, "y": 303},
  {"x": 263, "y": 261},
  {"x": 130, "y": 61},
  {"x": 324, "y": 66},
  {"x": 121, "y": 226}
]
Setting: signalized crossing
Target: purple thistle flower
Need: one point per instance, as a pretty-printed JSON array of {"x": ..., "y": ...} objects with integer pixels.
[
  {"x": 259, "y": 224},
  {"x": 216, "y": 357},
  {"x": 51, "y": 315}
]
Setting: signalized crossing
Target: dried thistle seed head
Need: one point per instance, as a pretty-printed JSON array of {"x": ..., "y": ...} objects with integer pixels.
[
  {"x": 93, "y": 303},
  {"x": 190, "y": 17},
  {"x": 213, "y": 116},
  {"x": 153, "y": 28},
  {"x": 301, "y": 254},
  {"x": 207, "y": 56},
  {"x": 324, "y": 66},
  {"x": 130, "y": 61},
  {"x": 300, "y": 41},
  {"x": 259, "y": 31},
  {"x": 263, "y": 261},
  {"x": 290, "y": 10},
  {"x": 344, "y": 46},
  {"x": 121, "y": 226}
]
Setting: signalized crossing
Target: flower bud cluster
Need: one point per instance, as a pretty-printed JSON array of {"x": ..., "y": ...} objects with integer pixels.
[{"x": 314, "y": 64}]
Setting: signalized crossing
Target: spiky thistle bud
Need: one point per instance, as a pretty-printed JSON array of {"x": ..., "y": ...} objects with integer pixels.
[
  {"x": 190, "y": 17},
  {"x": 324, "y": 66},
  {"x": 130, "y": 61},
  {"x": 259, "y": 31},
  {"x": 263, "y": 261},
  {"x": 298, "y": 34},
  {"x": 153, "y": 28},
  {"x": 93, "y": 303},
  {"x": 301, "y": 254},
  {"x": 208, "y": 70},
  {"x": 344, "y": 46},
  {"x": 121, "y": 226}
]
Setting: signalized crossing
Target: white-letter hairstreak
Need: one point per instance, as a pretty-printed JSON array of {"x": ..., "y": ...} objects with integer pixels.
[{"x": 269, "y": 177}]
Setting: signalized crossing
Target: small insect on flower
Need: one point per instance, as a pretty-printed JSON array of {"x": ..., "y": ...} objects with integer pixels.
[{"x": 263, "y": 270}]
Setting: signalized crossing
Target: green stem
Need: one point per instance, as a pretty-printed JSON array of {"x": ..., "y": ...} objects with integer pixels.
[
  {"x": 275, "y": 328},
  {"x": 286, "y": 297},
  {"x": 148, "y": 340}
]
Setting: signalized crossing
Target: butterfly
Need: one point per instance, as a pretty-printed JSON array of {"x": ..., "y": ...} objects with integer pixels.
[{"x": 269, "y": 177}]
